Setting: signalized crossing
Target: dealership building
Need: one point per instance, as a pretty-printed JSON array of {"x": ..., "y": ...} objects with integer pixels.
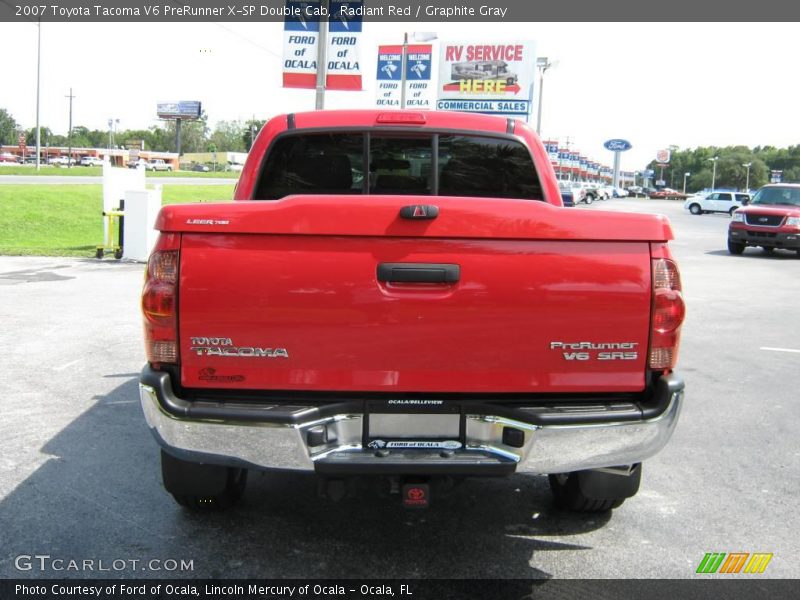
[{"x": 118, "y": 157}]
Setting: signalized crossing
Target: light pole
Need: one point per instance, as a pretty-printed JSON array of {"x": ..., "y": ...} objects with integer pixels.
[
  {"x": 38, "y": 79},
  {"x": 322, "y": 44},
  {"x": 542, "y": 63},
  {"x": 747, "y": 185},
  {"x": 417, "y": 36},
  {"x": 714, "y": 172},
  {"x": 685, "y": 175},
  {"x": 69, "y": 133}
]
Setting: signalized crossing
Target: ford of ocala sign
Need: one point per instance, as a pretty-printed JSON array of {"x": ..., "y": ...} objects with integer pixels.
[{"x": 617, "y": 145}]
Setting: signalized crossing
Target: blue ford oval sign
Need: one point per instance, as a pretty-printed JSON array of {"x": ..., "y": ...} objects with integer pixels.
[{"x": 617, "y": 145}]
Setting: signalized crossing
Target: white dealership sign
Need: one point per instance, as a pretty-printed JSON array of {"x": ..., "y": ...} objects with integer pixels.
[
  {"x": 301, "y": 36},
  {"x": 418, "y": 76},
  {"x": 488, "y": 77}
]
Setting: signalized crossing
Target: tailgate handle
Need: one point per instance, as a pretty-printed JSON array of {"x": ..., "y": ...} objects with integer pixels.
[
  {"x": 418, "y": 273},
  {"x": 419, "y": 211}
]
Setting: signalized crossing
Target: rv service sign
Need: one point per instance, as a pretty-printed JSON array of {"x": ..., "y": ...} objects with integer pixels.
[{"x": 486, "y": 77}]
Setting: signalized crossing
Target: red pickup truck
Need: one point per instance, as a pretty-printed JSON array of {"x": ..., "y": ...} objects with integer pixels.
[{"x": 402, "y": 295}]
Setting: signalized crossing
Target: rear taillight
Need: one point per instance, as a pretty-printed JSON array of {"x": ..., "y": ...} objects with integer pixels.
[
  {"x": 160, "y": 302},
  {"x": 667, "y": 315}
]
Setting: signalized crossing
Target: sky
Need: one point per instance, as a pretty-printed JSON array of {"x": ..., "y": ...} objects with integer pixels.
[{"x": 654, "y": 84}]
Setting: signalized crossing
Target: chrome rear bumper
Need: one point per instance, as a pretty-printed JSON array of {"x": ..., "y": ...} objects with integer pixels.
[{"x": 548, "y": 439}]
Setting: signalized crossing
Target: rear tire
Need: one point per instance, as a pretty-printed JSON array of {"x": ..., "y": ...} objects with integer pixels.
[
  {"x": 595, "y": 490},
  {"x": 202, "y": 487},
  {"x": 735, "y": 247},
  {"x": 695, "y": 209}
]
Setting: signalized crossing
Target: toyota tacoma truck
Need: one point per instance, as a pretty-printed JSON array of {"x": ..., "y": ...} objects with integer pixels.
[
  {"x": 771, "y": 220},
  {"x": 402, "y": 295}
]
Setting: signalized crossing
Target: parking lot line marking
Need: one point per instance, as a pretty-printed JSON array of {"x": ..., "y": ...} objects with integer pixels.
[
  {"x": 68, "y": 365},
  {"x": 781, "y": 350}
]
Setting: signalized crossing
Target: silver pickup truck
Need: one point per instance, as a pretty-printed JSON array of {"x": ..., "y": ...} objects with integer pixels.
[{"x": 158, "y": 164}]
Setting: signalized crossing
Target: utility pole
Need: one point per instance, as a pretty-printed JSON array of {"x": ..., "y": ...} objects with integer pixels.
[{"x": 69, "y": 134}]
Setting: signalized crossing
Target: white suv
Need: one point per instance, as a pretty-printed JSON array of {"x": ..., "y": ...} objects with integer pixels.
[{"x": 726, "y": 202}]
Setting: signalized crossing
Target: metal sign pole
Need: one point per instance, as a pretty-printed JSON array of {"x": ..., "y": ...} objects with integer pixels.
[
  {"x": 403, "y": 56},
  {"x": 178, "y": 137},
  {"x": 322, "y": 42}
]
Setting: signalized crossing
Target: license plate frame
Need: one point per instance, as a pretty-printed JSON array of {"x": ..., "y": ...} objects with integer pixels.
[{"x": 429, "y": 422}]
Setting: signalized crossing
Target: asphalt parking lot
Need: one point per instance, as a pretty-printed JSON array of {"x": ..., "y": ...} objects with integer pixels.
[{"x": 79, "y": 471}]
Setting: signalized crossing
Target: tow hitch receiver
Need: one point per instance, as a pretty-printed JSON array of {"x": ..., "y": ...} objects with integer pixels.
[{"x": 416, "y": 495}]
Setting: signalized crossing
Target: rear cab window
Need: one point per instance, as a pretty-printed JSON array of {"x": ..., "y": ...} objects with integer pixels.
[{"x": 398, "y": 163}]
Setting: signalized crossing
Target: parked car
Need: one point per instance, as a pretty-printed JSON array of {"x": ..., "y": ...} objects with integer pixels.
[
  {"x": 636, "y": 191},
  {"x": 200, "y": 168},
  {"x": 61, "y": 161},
  {"x": 571, "y": 194},
  {"x": 668, "y": 194},
  {"x": 135, "y": 164},
  {"x": 7, "y": 157},
  {"x": 725, "y": 202},
  {"x": 605, "y": 192},
  {"x": 576, "y": 191},
  {"x": 590, "y": 190},
  {"x": 619, "y": 192},
  {"x": 158, "y": 164},
  {"x": 91, "y": 161},
  {"x": 771, "y": 220}
]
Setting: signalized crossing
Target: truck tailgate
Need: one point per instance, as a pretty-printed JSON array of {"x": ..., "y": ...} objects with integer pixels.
[{"x": 283, "y": 311}]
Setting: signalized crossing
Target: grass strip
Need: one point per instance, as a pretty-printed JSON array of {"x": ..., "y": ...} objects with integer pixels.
[{"x": 66, "y": 220}]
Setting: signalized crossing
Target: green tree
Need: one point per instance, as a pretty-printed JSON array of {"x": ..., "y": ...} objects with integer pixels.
[
  {"x": 730, "y": 169},
  {"x": 44, "y": 135},
  {"x": 194, "y": 135},
  {"x": 228, "y": 137},
  {"x": 9, "y": 130},
  {"x": 250, "y": 131}
]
